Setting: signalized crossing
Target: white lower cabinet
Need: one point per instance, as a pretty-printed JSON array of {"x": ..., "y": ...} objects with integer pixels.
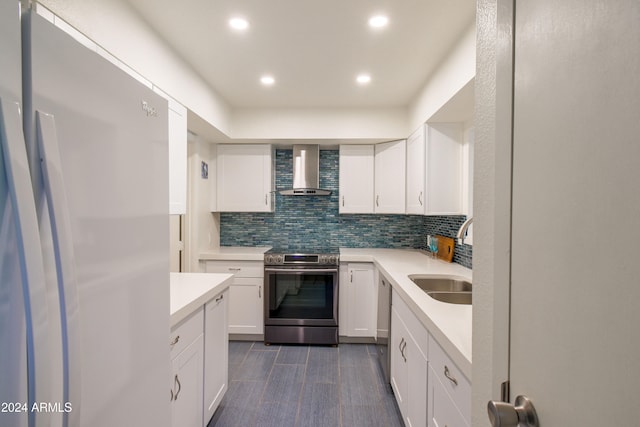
[
  {"x": 198, "y": 349},
  {"x": 399, "y": 367},
  {"x": 450, "y": 391},
  {"x": 187, "y": 352},
  {"x": 358, "y": 300},
  {"x": 409, "y": 368},
  {"x": 216, "y": 353},
  {"x": 246, "y": 311},
  {"x": 428, "y": 386},
  {"x": 246, "y": 304},
  {"x": 443, "y": 412}
]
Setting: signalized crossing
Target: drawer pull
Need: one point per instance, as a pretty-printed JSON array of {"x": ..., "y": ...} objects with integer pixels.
[
  {"x": 449, "y": 376},
  {"x": 175, "y": 341},
  {"x": 219, "y": 298},
  {"x": 234, "y": 269}
]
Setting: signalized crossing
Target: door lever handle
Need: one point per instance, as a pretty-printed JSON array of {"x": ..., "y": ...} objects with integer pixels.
[{"x": 522, "y": 414}]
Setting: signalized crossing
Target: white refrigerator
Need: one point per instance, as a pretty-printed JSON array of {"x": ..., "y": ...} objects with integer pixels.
[{"x": 84, "y": 226}]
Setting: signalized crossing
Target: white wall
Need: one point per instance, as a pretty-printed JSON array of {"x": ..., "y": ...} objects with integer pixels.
[
  {"x": 451, "y": 76},
  {"x": 117, "y": 28},
  {"x": 202, "y": 228},
  {"x": 379, "y": 124}
]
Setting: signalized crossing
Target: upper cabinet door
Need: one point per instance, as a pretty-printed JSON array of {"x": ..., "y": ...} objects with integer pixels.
[
  {"x": 416, "y": 172},
  {"x": 177, "y": 158},
  {"x": 390, "y": 171},
  {"x": 244, "y": 178},
  {"x": 177, "y": 118},
  {"x": 356, "y": 178},
  {"x": 443, "y": 171}
]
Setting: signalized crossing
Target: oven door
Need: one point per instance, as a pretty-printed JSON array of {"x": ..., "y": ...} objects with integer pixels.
[{"x": 303, "y": 296}]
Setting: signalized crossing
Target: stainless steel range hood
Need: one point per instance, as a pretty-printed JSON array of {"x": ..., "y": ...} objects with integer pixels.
[{"x": 306, "y": 172}]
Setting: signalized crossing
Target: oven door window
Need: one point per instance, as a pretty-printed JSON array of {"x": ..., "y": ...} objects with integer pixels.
[{"x": 301, "y": 296}]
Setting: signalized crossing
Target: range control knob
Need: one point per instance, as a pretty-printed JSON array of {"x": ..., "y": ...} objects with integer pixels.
[{"x": 272, "y": 259}]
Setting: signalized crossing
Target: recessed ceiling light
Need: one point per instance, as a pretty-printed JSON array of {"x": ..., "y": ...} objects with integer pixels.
[
  {"x": 363, "y": 79},
  {"x": 378, "y": 21},
  {"x": 267, "y": 80},
  {"x": 240, "y": 24}
]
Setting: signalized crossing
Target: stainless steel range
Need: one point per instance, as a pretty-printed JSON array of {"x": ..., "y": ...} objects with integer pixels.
[{"x": 301, "y": 296}]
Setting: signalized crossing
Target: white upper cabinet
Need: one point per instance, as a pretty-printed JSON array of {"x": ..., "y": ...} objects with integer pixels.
[
  {"x": 356, "y": 178},
  {"x": 416, "y": 172},
  {"x": 244, "y": 178},
  {"x": 443, "y": 169},
  {"x": 177, "y": 159},
  {"x": 177, "y": 116},
  {"x": 390, "y": 176}
]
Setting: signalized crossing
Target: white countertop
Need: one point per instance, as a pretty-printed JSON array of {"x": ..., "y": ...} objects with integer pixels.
[
  {"x": 449, "y": 324},
  {"x": 235, "y": 253},
  {"x": 189, "y": 291}
]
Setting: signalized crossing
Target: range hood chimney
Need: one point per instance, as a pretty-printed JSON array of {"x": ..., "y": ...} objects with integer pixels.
[{"x": 306, "y": 172}]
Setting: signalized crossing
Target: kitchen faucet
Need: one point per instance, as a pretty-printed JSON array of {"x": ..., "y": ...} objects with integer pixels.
[{"x": 462, "y": 232}]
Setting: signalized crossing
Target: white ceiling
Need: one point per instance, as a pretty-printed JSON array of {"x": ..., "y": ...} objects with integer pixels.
[{"x": 314, "y": 49}]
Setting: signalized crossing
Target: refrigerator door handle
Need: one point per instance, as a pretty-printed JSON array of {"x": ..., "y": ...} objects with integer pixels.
[
  {"x": 30, "y": 256},
  {"x": 64, "y": 258}
]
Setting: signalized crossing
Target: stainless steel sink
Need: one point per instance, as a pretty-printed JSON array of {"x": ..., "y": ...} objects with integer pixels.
[
  {"x": 452, "y": 297},
  {"x": 453, "y": 290}
]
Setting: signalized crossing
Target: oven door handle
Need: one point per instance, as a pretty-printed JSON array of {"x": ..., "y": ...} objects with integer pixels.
[{"x": 301, "y": 270}]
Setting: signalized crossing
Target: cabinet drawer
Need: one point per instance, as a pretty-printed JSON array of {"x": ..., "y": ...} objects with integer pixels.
[
  {"x": 460, "y": 392},
  {"x": 443, "y": 412},
  {"x": 415, "y": 328},
  {"x": 239, "y": 268},
  {"x": 186, "y": 332}
]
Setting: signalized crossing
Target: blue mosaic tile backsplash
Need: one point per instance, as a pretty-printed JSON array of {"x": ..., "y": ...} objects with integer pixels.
[{"x": 313, "y": 221}]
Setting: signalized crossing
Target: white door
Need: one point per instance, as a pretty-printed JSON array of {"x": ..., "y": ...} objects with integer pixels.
[{"x": 575, "y": 288}]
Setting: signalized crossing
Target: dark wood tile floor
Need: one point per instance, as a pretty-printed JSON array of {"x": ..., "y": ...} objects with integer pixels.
[{"x": 305, "y": 386}]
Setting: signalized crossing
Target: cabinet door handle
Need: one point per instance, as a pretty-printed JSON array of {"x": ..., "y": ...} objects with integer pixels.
[
  {"x": 177, "y": 381},
  {"x": 259, "y": 291},
  {"x": 171, "y": 400},
  {"x": 420, "y": 198},
  {"x": 449, "y": 376},
  {"x": 342, "y": 201},
  {"x": 265, "y": 200},
  {"x": 377, "y": 200},
  {"x": 351, "y": 276},
  {"x": 402, "y": 346},
  {"x": 175, "y": 341},
  {"x": 219, "y": 298}
]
